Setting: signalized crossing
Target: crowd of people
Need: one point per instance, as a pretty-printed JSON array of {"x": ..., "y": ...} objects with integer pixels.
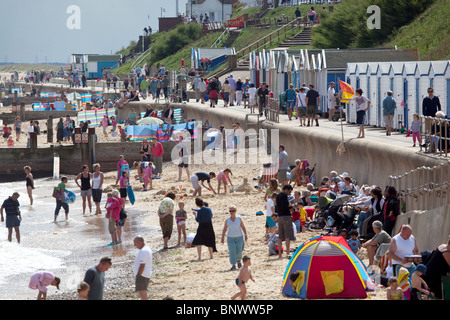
[{"x": 288, "y": 213}]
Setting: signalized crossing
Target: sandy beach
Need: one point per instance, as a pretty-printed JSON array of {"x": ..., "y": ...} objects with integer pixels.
[{"x": 176, "y": 271}]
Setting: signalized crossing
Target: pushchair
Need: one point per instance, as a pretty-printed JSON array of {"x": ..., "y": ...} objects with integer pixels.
[
  {"x": 343, "y": 219},
  {"x": 329, "y": 214}
]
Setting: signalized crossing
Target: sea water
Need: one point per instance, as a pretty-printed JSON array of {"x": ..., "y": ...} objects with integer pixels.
[{"x": 67, "y": 248}]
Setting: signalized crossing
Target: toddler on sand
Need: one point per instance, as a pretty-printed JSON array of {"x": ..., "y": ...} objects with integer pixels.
[{"x": 244, "y": 275}]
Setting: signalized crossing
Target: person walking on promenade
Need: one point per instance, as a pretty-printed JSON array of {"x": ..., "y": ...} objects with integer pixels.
[
  {"x": 362, "y": 105},
  {"x": 389, "y": 106},
  {"x": 13, "y": 217},
  {"x": 331, "y": 100},
  {"x": 430, "y": 105},
  {"x": 312, "y": 103}
]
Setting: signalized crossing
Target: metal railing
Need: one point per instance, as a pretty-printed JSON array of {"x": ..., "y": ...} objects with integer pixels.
[
  {"x": 435, "y": 135},
  {"x": 423, "y": 187},
  {"x": 273, "y": 110},
  {"x": 267, "y": 40},
  {"x": 221, "y": 38},
  {"x": 141, "y": 58},
  {"x": 426, "y": 197}
]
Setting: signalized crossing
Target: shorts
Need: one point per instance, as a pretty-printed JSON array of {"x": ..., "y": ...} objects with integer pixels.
[
  {"x": 194, "y": 181},
  {"x": 311, "y": 110},
  {"x": 290, "y": 104},
  {"x": 123, "y": 192},
  {"x": 111, "y": 226},
  {"x": 183, "y": 165},
  {"x": 269, "y": 222},
  {"x": 142, "y": 283},
  {"x": 86, "y": 193},
  {"x": 285, "y": 230},
  {"x": 388, "y": 120},
  {"x": 97, "y": 195},
  {"x": 282, "y": 174},
  {"x": 12, "y": 220},
  {"x": 360, "y": 117},
  {"x": 302, "y": 111},
  {"x": 238, "y": 282}
]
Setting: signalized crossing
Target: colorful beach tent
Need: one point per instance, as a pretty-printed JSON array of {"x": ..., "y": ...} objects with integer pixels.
[{"x": 326, "y": 268}]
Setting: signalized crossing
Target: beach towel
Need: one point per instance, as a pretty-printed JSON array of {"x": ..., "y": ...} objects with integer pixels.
[
  {"x": 404, "y": 282},
  {"x": 177, "y": 116},
  {"x": 139, "y": 133},
  {"x": 92, "y": 117},
  {"x": 81, "y": 116}
]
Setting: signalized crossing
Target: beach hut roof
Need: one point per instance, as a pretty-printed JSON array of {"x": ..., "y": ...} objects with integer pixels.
[{"x": 440, "y": 67}]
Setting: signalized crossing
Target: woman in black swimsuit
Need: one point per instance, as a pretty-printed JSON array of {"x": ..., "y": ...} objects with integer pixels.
[
  {"x": 30, "y": 183},
  {"x": 86, "y": 189}
]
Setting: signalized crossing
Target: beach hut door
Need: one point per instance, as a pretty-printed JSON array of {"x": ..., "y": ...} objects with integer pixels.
[{"x": 405, "y": 103}]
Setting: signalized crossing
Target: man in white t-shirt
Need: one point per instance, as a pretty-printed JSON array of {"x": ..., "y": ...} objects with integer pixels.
[{"x": 142, "y": 267}]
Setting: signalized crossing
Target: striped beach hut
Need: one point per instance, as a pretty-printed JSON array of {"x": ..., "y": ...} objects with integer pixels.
[{"x": 408, "y": 80}]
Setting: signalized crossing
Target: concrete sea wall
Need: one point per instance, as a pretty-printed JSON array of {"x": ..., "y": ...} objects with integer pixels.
[{"x": 369, "y": 162}]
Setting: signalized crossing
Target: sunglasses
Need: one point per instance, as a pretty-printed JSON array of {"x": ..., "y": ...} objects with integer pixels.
[{"x": 232, "y": 210}]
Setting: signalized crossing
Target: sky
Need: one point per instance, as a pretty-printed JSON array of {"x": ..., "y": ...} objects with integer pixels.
[{"x": 39, "y": 31}]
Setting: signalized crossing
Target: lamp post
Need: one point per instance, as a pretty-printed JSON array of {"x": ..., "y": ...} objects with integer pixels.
[{"x": 162, "y": 10}]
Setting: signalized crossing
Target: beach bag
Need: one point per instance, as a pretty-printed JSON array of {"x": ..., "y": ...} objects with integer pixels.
[
  {"x": 56, "y": 193},
  {"x": 123, "y": 215}
]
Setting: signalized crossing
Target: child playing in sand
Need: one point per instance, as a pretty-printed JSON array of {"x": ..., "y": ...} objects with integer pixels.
[
  {"x": 394, "y": 292},
  {"x": 418, "y": 285},
  {"x": 244, "y": 275},
  {"x": 180, "y": 217},
  {"x": 224, "y": 176}
]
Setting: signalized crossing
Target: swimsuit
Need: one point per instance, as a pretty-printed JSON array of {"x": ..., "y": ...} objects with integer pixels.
[{"x": 237, "y": 281}]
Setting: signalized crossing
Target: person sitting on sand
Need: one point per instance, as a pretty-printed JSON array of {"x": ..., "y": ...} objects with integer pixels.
[{"x": 245, "y": 274}]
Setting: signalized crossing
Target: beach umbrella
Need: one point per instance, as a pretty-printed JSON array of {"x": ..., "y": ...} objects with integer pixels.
[{"x": 149, "y": 121}]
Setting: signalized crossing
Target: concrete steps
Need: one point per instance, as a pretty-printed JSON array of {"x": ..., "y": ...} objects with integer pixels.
[{"x": 301, "y": 39}]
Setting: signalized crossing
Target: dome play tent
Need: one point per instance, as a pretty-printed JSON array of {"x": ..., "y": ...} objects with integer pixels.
[{"x": 326, "y": 268}]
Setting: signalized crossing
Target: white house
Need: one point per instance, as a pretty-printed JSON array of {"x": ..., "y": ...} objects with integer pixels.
[{"x": 217, "y": 10}]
